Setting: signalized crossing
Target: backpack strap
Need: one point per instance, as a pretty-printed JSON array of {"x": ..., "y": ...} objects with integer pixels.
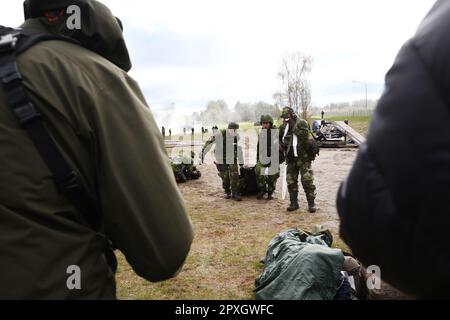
[{"x": 12, "y": 43}]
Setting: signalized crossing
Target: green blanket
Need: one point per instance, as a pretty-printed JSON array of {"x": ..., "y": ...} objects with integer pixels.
[{"x": 299, "y": 266}]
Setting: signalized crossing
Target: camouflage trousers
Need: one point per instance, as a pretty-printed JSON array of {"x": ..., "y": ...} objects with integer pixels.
[
  {"x": 229, "y": 173},
  {"x": 265, "y": 182},
  {"x": 296, "y": 166}
]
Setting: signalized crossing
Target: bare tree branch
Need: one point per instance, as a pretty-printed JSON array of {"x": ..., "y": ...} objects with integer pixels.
[{"x": 294, "y": 72}]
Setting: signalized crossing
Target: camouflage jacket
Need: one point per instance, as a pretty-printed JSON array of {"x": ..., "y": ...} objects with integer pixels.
[
  {"x": 225, "y": 142},
  {"x": 301, "y": 130},
  {"x": 271, "y": 144}
]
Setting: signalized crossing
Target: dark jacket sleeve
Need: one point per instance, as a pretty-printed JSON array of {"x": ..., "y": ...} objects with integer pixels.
[
  {"x": 394, "y": 204},
  {"x": 144, "y": 213}
]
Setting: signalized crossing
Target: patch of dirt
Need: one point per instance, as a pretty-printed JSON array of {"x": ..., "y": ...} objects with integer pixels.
[{"x": 330, "y": 169}]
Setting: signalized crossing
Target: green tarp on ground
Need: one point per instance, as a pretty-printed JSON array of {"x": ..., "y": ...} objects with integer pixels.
[{"x": 299, "y": 266}]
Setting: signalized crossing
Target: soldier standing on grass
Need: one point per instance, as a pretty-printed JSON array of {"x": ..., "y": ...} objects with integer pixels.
[
  {"x": 294, "y": 139},
  {"x": 229, "y": 157},
  {"x": 267, "y": 174}
]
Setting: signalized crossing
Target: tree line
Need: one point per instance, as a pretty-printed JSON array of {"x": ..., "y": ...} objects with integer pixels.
[{"x": 218, "y": 112}]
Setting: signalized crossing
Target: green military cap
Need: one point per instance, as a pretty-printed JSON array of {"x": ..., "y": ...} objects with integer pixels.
[
  {"x": 266, "y": 118},
  {"x": 233, "y": 125}
]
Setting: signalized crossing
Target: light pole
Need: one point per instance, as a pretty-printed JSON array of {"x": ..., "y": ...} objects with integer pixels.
[{"x": 365, "y": 84}]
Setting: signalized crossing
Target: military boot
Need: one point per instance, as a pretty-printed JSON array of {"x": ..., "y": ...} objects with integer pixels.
[
  {"x": 227, "y": 194},
  {"x": 312, "y": 206},
  {"x": 294, "y": 202},
  {"x": 270, "y": 195},
  {"x": 237, "y": 197},
  {"x": 261, "y": 194}
]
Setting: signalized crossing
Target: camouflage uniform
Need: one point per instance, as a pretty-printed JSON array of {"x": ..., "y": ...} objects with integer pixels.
[
  {"x": 183, "y": 168},
  {"x": 230, "y": 178},
  {"x": 307, "y": 178},
  {"x": 266, "y": 182},
  {"x": 298, "y": 164},
  {"x": 227, "y": 164}
]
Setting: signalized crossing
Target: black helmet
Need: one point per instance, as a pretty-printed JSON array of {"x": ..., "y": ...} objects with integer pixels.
[
  {"x": 102, "y": 32},
  {"x": 36, "y": 8}
]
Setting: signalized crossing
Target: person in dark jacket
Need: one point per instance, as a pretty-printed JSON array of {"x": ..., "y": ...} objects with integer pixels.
[{"x": 394, "y": 206}]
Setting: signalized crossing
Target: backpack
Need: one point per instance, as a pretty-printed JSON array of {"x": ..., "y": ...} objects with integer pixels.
[
  {"x": 14, "y": 42},
  {"x": 248, "y": 184}
]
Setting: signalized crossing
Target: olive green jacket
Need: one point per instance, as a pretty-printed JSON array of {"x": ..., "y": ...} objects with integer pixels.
[
  {"x": 224, "y": 142},
  {"x": 100, "y": 120},
  {"x": 301, "y": 130}
]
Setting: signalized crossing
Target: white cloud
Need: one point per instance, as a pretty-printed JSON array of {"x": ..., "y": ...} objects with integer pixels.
[{"x": 349, "y": 40}]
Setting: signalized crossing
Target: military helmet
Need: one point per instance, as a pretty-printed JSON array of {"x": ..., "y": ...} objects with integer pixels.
[
  {"x": 326, "y": 235},
  {"x": 101, "y": 31},
  {"x": 233, "y": 125},
  {"x": 267, "y": 118},
  {"x": 287, "y": 111},
  {"x": 36, "y": 8}
]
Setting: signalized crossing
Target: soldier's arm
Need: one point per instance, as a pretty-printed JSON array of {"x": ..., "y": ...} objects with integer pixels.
[
  {"x": 208, "y": 145},
  {"x": 143, "y": 211}
]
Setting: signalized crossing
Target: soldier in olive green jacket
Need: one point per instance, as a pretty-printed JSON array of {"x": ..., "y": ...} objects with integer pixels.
[
  {"x": 100, "y": 120},
  {"x": 294, "y": 139},
  {"x": 229, "y": 157}
]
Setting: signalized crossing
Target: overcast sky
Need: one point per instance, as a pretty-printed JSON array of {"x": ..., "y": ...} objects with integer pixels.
[{"x": 188, "y": 52}]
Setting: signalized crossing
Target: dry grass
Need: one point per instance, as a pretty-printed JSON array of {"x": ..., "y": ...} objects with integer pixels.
[{"x": 231, "y": 238}]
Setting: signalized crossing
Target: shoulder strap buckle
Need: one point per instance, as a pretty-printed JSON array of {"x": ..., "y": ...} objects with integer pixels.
[
  {"x": 26, "y": 113},
  {"x": 8, "y": 42}
]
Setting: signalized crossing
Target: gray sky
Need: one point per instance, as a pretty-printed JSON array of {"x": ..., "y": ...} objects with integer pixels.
[{"x": 190, "y": 52}]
